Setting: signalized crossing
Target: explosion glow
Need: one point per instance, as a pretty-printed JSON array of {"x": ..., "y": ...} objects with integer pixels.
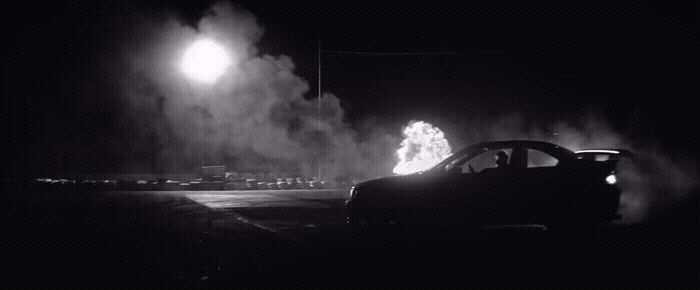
[
  {"x": 205, "y": 61},
  {"x": 423, "y": 147}
]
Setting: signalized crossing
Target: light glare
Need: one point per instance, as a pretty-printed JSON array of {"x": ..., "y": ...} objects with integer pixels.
[
  {"x": 205, "y": 60},
  {"x": 611, "y": 179}
]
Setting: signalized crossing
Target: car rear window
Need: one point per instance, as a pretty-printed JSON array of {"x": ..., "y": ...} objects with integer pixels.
[{"x": 536, "y": 158}]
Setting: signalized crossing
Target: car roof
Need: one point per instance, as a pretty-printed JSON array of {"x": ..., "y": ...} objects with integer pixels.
[{"x": 540, "y": 145}]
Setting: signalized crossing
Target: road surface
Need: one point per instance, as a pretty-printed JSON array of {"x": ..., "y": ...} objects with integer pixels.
[{"x": 70, "y": 238}]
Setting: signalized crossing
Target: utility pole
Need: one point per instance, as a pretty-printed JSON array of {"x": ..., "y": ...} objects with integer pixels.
[{"x": 318, "y": 164}]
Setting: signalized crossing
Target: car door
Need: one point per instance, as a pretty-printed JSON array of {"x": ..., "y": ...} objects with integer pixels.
[
  {"x": 509, "y": 197},
  {"x": 451, "y": 197},
  {"x": 540, "y": 186},
  {"x": 487, "y": 185}
]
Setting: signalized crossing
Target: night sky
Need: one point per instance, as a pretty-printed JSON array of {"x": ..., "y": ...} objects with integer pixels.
[{"x": 631, "y": 66}]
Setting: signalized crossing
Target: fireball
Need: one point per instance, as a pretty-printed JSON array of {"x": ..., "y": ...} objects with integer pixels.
[{"x": 423, "y": 147}]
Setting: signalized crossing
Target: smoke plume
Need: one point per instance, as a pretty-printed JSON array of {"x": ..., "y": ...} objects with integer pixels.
[{"x": 255, "y": 118}]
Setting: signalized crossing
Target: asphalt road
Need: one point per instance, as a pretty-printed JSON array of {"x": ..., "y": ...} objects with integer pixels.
[
  {"x": 290, "y": 214},
  {"x": 65, "y": 238}
]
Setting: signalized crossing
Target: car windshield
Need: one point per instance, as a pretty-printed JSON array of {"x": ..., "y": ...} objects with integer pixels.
[{"x": 467, "y": 152}]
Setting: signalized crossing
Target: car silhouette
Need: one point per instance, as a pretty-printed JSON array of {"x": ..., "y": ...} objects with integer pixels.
[{"x": 493, "y": 184}]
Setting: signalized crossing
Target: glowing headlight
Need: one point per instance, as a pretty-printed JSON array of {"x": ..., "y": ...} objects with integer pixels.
[{"x": 611, "y": 179}]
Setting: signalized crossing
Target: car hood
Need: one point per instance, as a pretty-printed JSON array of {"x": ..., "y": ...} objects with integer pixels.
[{"x": 390, "y": 181}]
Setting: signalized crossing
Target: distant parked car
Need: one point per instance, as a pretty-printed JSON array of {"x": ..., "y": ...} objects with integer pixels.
[
  {"x": 88, "y": 184},
  {"x": 170, "y": 185},
  {"x": 301, "y": 183},
  {"x": 252, "y": 184},
  {"x": 184, "y": 186},
  {"x": 58, "y": 183},
  {"x": 237, "y": 184},
  {"x": 283, "y": 184},
  {"x": 107, "y": 184},
  {"x": 315, "y": 184},
  {"x": 261, "y": 185},
  {"x": 143, "y": 184},
  {"x": 195, "y": 184}
]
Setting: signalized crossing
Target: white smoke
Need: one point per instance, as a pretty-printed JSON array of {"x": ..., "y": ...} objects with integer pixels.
[{"x": 254, "y": 118}]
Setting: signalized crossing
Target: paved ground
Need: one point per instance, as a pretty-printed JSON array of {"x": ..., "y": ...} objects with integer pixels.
[{"x": 63, "y": 238}]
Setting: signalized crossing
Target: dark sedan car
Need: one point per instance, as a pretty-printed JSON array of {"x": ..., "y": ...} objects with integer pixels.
[{"x": 494, "y": 183}]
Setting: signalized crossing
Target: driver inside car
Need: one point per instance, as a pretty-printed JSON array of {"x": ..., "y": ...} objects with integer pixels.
[{"x": 501, "y": 159}]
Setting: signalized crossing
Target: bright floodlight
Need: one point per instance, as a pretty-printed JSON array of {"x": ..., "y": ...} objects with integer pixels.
[{"x": 205, "y": 61}]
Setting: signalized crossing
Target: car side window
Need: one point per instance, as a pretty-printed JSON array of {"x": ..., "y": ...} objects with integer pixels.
[
  {"x": 485, "y": 160},
  {"x": 537, "y": 158}
]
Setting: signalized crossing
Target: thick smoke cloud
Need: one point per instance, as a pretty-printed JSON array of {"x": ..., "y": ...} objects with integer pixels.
[{"x": 255, "y": 118}]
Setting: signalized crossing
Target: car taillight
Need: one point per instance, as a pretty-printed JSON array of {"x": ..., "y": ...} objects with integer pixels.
[{"x": 611, "y": 179}]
